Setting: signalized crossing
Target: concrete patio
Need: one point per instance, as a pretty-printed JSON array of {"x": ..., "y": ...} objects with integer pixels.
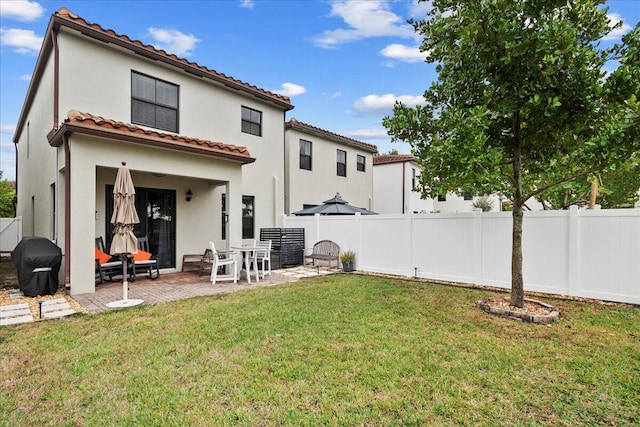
[{"x": 176, "y": 286}]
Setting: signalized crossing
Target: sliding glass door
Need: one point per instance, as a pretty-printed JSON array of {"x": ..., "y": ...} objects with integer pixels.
[{"x": 156, "y": 209}]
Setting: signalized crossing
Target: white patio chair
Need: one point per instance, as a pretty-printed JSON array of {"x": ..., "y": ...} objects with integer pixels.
[
  {"x": 223, "y": 259},
  {"x": 262, "y": 257}
]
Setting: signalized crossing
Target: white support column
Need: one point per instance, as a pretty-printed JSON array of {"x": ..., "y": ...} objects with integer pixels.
[{"x": 83, "y": 202}]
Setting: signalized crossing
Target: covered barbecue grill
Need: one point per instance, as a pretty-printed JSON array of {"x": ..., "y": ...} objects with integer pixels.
[{"x": 37, "y": 262}]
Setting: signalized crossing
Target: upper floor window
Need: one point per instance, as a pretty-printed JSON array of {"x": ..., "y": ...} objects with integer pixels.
[
  {"x": 305, "y": 155},
  {"x": 360, "y": 163},
  {"x": 442, "y": 198},
  {"x": 154, "y": 103},
  {"x": 341, "y": 163},
  {"x": 413, "y": 178},
  {"x": 251, "y": 121}
]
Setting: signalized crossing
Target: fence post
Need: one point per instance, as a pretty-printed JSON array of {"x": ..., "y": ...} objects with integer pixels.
[
  {"x": 316, "y": 224},
  {"x": 573, "y": 257},
  {"x": 477, "y": 246}
]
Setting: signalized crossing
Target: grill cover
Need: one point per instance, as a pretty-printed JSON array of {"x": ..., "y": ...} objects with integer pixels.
[{"x": 37, "y": 262}]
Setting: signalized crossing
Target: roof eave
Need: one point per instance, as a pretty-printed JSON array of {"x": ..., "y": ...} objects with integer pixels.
[
  {"x": 55, "y": 138},
  {"x": 43, "y": 56},
  {"x": 59, "y": 21},
  {"x": 331, "y": 136}
]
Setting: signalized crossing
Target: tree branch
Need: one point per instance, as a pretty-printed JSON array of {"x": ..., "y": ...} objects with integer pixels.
[{"x": 560, "y": 181}]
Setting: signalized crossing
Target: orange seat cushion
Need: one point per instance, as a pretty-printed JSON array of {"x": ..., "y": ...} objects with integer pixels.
[
  {"x": 102, "y": 257},
  {"x": 141, "y": 256}
]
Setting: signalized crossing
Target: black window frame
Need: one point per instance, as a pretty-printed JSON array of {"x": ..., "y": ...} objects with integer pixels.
[
  {"x": 224, "y": 216},
  {"x": 249, "y": 124},
  {"x": 442, "y": 198},
  {"x": 413, "y": 178},
  {"x": 157, "y": 105},
  {"x": 361, "y": 165},
  {"x": 306, "y": 160},
  {"x": 341, "y": 167},
  {"x": 248, "y": 217}
]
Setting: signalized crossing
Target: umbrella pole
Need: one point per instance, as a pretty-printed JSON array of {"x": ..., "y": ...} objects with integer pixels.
[{"x": 125, "y": 283}]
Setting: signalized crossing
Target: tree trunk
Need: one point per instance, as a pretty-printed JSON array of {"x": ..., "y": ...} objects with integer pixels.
[{"x": 517, "y": 283}]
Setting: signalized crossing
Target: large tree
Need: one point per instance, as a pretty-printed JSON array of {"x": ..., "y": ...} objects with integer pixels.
[
  {"x": 7, "y": 194},
  {"x": 521, "y": 103}
]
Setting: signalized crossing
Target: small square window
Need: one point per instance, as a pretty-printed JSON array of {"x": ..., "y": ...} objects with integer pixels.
[
  {"x": 360, "y": 163},
  {"x": 251, "y": 121},
  {"x": 442, "y": 198}
]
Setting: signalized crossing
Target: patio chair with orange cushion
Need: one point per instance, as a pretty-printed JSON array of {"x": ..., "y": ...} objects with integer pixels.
[
  {"x": 106, "y": 265},
  {"x": 144, "y": 261}
]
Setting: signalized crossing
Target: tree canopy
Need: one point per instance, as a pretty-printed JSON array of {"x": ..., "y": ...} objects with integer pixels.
[
  {"x": 6, "y": 198},
  {"x": 522, "y": 102}
]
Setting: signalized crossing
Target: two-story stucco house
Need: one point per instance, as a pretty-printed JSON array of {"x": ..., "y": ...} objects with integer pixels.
[
  {"x": 319, "y": 164},
  {"x": 97, "y": 99}
]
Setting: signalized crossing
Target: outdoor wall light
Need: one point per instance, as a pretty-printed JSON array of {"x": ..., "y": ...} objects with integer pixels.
[{"x": 189, "y": 195}]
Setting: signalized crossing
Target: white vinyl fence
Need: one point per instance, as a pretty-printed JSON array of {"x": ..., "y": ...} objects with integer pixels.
[
  {"x": 10, "y": 233},
  {"x": 585, "y": 253}
]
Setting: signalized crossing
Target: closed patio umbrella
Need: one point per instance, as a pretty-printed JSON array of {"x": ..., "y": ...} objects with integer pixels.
[{"x": 124, "y": 217}]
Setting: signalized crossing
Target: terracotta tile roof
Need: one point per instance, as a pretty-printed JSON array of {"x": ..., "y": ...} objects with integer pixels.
[
  {"x": 66, "y": 17},
  {"x": 113, "y": 129},
  {"x": 303, "y": 127},
  {"x": 393, "y": 158}
]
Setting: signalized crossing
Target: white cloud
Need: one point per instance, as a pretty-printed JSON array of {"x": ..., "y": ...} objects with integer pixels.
[
  {"x": 22, "y": 41},
  {"x": 173, "y": 41},
  {"x": 380, "y": 133},
  {"x": 291, "y": 89},
  {"x": 419, "y": 10},
  {"x": 21, "y": 10},
  {"x": 247, "y": 4},
  {"x": 371, "y": 18},
  {"x": 403, "y": 53},
  {"x": 614, "y": 18},
  {"x": 25, "y": 77},
  {"x": 383, "y": 104},
  {"x": 7, "y": 128}
]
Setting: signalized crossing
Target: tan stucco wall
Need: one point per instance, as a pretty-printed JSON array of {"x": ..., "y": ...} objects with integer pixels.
[
  {"x": 322, "y": 182},
  {"x": 206, "y": 110},
  {"x": 36, "y": 163}
]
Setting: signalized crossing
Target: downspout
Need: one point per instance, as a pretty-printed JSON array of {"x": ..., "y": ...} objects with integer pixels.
[
  {"x": 67, "y": 213},
  {"x": 56, "y": 75}
]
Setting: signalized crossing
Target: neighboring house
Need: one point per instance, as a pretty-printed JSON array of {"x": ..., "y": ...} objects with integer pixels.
[
  {"x": 97, "y": 99},
  {"x": 394, "y": 178},
  {"x": 319, "y": 164}
]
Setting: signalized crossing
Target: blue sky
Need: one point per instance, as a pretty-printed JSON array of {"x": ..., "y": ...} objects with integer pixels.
[{"x": 343, "y": 63}]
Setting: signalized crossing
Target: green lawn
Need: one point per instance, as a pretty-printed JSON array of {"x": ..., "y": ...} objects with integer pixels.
[{"x": 336, "y": 350}]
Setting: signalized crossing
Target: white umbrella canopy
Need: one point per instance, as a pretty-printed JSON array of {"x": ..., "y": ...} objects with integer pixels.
[{"x": 124, "y": 217}]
